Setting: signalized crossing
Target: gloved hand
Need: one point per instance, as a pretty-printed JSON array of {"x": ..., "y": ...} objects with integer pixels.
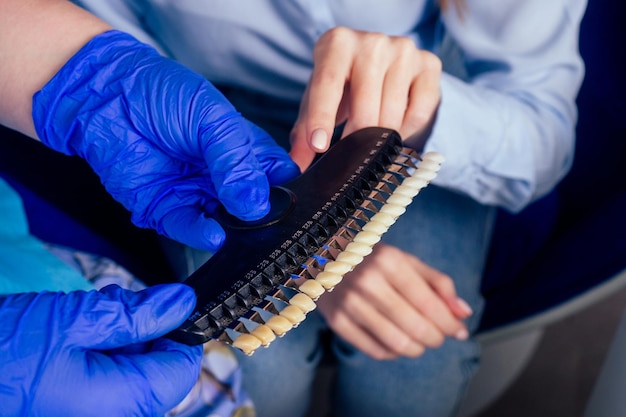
[
  {"x": 164, "y": 141},
  {"x": 85, "y": 353}
]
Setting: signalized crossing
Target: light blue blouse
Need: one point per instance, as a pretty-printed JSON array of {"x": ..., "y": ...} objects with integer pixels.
[{"x": 507, "y": 115}]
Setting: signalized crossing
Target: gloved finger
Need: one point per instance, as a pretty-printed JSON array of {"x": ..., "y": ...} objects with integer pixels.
[
  {"x": 170, "y": 369},
  {"x": 115, "y": 317},
  {"x": 274, "y": 160},
  {"x": 191, "y": 226},
  {"x": 241, "y": 185}
]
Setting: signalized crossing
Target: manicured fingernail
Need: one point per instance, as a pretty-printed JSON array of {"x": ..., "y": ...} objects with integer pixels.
[
  {"x": 464, "y": 306},
  {"x": 462, "y": 334},
  {"x": 319, "y": 139}
]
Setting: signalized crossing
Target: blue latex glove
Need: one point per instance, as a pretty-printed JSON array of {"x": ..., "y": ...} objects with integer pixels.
[
  {"x": 84, "y": 353},
  {"x": 164, "y": 141}
]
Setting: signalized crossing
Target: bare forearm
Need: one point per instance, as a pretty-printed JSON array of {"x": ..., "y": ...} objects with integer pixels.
[{"x": 36, "y": 38}]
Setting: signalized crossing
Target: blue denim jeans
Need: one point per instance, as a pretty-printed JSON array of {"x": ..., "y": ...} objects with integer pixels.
[{"x": 447, "y": 231}]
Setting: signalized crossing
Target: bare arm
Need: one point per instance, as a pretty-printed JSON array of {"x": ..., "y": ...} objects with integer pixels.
[{"x": 36, "y": 38}]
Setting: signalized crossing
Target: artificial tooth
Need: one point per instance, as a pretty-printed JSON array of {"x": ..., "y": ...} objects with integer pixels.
[
  {"x": 367, "y": 238},
  {"x": 350, "y": 258},
  {"x": 359, "y": 248},
  {"x": 399, "y": 199},
  {"x": 293, "y": 314},
  {"x": 303, "y": 302},
  {"x": 429, "y": 165},
  {"x": 375, "y": 227},
  {"x": 415, "y": 182},
  {"x": 247, "y": 343},
  {"x": 426, "y": 174},
  {"x": 384, "y": 218},
  {"x": 393, "y": 209},
  {"x": 433, "y": 156},
  {"x": 264, "y": 333},
  {"x": 279, "y": 325},
  {"x": 328, "y": 280},
  {"x": 338, "y": 267},
  {"x": 312, "y": 288},
  {"x": 407, "y": 190}
]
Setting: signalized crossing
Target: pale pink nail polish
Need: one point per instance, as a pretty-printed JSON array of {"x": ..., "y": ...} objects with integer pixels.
[
  {"x": 319, "y": 139},
  {"x": 462, "y": 334},
  {"x": 464, "y": 306}
]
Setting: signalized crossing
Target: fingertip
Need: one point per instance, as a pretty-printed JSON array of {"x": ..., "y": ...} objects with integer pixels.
[
  {"x": 464, "y": 307},
  {"x": 193, "y": 227}
]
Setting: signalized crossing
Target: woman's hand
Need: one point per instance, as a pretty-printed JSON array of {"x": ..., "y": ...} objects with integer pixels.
[
  {"x": 394, "y": 305},
  {"x": 365, "y": 79}
]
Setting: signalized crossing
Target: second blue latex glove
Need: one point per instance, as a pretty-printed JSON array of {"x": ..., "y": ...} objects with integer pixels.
[
  {"x": 164, "y": 141},
  {"x": 93, "y": 354}
]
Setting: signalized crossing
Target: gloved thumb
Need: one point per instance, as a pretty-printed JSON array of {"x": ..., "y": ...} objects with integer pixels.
[
  {"x": 275, "y": 161},
  {"x": 114, "y": 317}
]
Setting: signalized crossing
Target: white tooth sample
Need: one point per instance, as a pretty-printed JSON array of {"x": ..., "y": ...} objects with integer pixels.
[
  {"x": 279, "y": 325},
  {"x": 407, "y": 190},
  {"x": 359, "y": 248},
  {"x": 399, "y": 199},
  {"x": 293, "y": 314},
  {"x": 375, "y": 227},
  {"x": 429, "y": 165},
  {"x": 426, "y": 174},
  {"x": 415, "y": 182},
  {"x": 350, "y": 258},
  {"x": 264, "y": 334},
  {"x": 247, "y": 343},
  {"x": 433, "y": 156},
  {"x": 303, "y": 302},
  {"x": 384, "y": 218},
  {"x": 328, "y": 280},
  {"x": 367, "y": 238},
  {"x": 312, "y": 288},
  {"x": 337, "y": 267},
  {"x": 393, "y": 209}
]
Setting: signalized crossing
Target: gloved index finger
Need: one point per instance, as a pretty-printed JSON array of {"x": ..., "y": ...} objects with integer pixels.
[{"x": 114, "y": 317}]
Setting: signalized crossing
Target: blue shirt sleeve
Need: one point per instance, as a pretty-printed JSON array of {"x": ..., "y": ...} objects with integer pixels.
[{"x": 507, "y": 127}]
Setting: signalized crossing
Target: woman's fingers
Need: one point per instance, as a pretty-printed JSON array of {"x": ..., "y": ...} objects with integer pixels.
[
  {"x": 388, "y": 308},
  {"x": 365, "y": 79}
]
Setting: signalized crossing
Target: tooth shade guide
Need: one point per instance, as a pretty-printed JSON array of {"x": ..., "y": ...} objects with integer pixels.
[{"x": 357, "y": 209}]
